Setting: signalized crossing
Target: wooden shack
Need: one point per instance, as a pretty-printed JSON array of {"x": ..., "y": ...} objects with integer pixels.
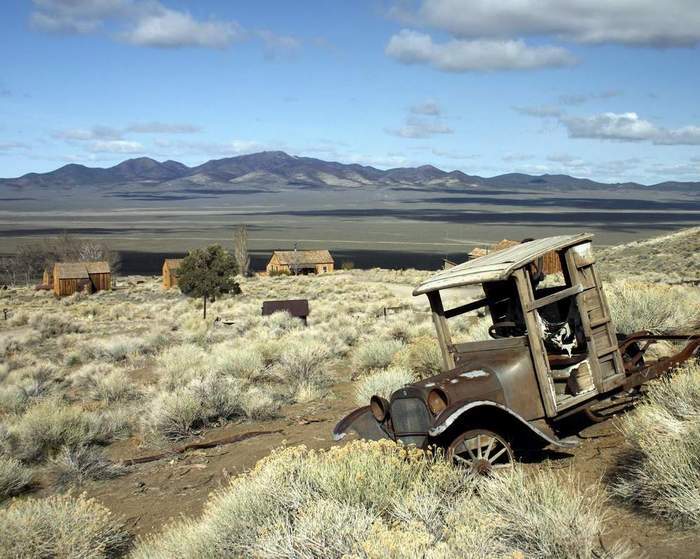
[
  {"x": 300, "y": 262},
  {"x": 170, "y": 268},
  {"x": 72, "y": 277},
  {"x": 477, "y": 253}
]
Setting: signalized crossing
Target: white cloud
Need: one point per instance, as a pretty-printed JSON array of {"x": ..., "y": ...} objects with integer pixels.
[
  {"x": 581, "y": 98},
  {"x": 170, "y": 148},
  {"x": 115, "y": 146},
  {"x": 155, "y": 127},
  {"x": 6, "y": 147},
  {"x": 97, "y": 132},
  {"x": 458, "y": 55},
  {"x": 610, "y": 126},
  {"x": 76, "y": 16},
  {"x": 542, "y": 111},
  {"x": 279, "y": 46},
  {"x": 167, "y": 28},
  {"x": 141, "y": 22},
  {"x": 629, "y": 22},
  {"x": 428, "y": 107},
  {"x": 419, "y": 128},
  {"x": 453, "y": 154},
  {"x": 628, "y": 127}
]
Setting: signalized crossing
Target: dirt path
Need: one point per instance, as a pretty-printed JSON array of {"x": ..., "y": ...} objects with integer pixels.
[{"x": 152, "y": 494}]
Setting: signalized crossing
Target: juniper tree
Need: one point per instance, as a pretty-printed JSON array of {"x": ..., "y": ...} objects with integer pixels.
[{"x": 207, "y": 273}]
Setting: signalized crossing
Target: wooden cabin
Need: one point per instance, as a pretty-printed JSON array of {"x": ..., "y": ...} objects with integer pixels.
[
  {"x": 72, "y": 277},
  {"x": 477, "y": 253},
  {"x": 300, "y": 262},
  {"x": 170, "y": 268}
]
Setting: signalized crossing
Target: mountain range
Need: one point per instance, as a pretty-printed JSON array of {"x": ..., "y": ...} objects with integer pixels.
[{"x": 272, "y": 170}]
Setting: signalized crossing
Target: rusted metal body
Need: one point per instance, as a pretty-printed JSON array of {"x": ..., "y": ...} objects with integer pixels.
[
  {"x": 298, "y": 308},
  {"x": 554, "y": 353}
]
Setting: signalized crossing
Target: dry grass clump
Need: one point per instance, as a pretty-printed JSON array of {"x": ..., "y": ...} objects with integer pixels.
[
  {"x": 378, "y": 499},
  {"x": 49, "y": 425},
  {"x": 61, "y": 526},
  {"x": 422, "y": 356},
  {"x": 118, "y": 348},
  {"x": 382, "y": 383},
  {"x": 660, "y": 470},
  {"x": 638, "y": 306},
  {"x": 178, "y": 413},
  {"x": 74, "y": 466},
  {"x": 15, "y": 477},
  {"x": 375, "y": 354}
]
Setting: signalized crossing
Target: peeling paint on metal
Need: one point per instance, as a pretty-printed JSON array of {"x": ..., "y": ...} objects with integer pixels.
[{"x": 474, "y": 374}]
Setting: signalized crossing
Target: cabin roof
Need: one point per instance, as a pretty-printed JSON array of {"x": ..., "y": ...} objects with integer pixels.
[
  {"x": 97, "y": 267},
  {"x": 173, "y": 263},
  {"x": 303, "y": 257},
  {"x": 70, "y": 270},
  {"x": 79, "y": 270},
  {"x": 498, "y": 265}
]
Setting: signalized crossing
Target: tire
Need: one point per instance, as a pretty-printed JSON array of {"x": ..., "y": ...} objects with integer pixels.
[{"x": 481, "y": 452}]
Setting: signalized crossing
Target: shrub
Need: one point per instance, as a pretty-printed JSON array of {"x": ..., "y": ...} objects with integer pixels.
[
  {"x": 177, "y": 414},
  {"x": 15, "y": 477},
  {"x": 49, "y": 425},
  {"x": 60, "y": 526},
  {"x": 74, "y": 466},
  {"x": 238, "y": 362},
  {"x": 638, "y": 306},
  {"x": 375, "y": 354},
  {"x": 305, "y": 362},
  {"x": 659, "y": 471},
  {"x": 382, "y": 383},
  {"x": 422, "y": 356},
  {"x": 379, "y": 499},
  {"x": 106, "y": 383}
]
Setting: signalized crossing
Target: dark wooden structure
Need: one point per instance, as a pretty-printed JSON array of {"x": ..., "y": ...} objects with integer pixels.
[
  {"x": 72, "y": 277},
  {"x": 300, "y": 262},
  {"x": 298, "y": 308},
  {"x": 170, "y": 268}
]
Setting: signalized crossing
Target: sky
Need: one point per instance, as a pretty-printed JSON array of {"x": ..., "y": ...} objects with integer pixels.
[{"x": 602, "y": 89}]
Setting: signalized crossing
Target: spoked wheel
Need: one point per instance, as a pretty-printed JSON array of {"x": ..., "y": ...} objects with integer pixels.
[{"x": 481, "y": 452}]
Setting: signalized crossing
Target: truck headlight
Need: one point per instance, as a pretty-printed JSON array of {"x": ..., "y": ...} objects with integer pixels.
[
  {"x": 437, "y": 401},
  {"x": 379, "y": 407}
]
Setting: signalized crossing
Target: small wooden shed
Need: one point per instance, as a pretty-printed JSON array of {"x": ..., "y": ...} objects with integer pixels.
[
  {"x": 71, "y": 277},
  {"x": 170, "y": 268},
  {"x": 300, "y": 262}
]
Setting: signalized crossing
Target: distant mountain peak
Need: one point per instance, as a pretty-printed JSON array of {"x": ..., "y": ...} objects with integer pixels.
[{"x": 277, "y": 169}]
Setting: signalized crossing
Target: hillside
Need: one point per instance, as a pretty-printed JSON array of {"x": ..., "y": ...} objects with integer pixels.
[
  {"x": 276, "y": 169},
  {"x": 674, "y": 257}
]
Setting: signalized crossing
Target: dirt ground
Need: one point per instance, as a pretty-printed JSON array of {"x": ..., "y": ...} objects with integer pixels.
[{"x": 152, "y": 494}]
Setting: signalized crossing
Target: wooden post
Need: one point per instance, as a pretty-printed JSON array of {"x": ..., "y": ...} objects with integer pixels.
[
  {"x": 443, "y": 331},
  {"x": 205, "y": 307},
  {"x": 534, "y": 336}
]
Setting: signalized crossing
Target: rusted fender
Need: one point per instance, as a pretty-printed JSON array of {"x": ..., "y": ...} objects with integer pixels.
[
  {"x": 363, "y": 423},
  {"x": 450, "y": 416}
]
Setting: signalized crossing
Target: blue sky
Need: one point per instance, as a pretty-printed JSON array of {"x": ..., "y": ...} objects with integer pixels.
[{"x": 593, "y": 88}]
